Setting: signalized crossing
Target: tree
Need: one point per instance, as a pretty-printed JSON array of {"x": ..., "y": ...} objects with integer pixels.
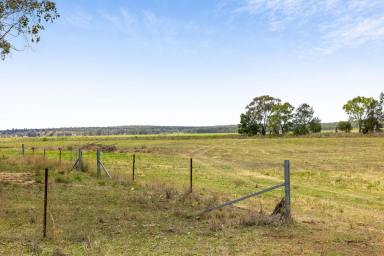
[
  {"x": 302, "y": 118},
  {"x": 368, "y": 112},
  {"x": 344, "y": 126},
  {"x": 374, "y": 117},
  {"x": 280, "y": 120},
  {"x": 315, "y": 125},
  {"x": 23, "y": 19},
  {"x": 358, "y": 109},
  {"x": 261, "y": 109},
  {"x": 248, "y": 126}
]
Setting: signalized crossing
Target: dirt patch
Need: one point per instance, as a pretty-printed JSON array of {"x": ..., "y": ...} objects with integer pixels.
[
  {"x": 102, "y": 147},
  {"x": 22, "y": 178}
]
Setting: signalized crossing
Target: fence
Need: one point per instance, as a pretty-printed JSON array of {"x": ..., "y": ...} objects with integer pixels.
[
  {"x": 287, "y": 194},
  {"x": 79, "y": 165}
]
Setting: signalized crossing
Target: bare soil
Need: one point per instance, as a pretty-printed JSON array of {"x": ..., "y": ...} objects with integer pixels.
[{"x": 22, "y": 178}]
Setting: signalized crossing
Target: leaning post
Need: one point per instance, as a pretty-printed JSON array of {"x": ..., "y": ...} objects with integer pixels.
[{"x": 287, "y": 190}]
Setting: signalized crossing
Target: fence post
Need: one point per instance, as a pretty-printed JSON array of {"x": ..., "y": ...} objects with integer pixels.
[
  {"x": 33, "y": 150},
  {"x": 133, "y": 167},
  {"x": 59, "y": 156},
  {"x": 98, "y": 162},
  {"x": 22, "y": 149},
  {"x": 287, "y": 190},
  {"x": 45, "y": 203},
  {"x": 44, "y": 153},
  {"x": 190, "y": 175},
  {"x": 80, "y": 153}
]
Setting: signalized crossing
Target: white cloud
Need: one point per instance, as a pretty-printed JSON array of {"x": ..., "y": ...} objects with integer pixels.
[
  {"x": 336, "y": 23},
  {"x": 79, "y": 18},
  {"x": 147, "y": 26}
]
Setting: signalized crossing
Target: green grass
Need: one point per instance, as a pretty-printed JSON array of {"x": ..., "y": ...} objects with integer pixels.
[{"x": 337, "y": 196}]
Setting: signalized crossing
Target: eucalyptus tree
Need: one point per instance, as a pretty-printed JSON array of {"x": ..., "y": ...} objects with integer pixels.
[
  {"x": 21, "y": 22},
  {"x": 260, "y": 110},
  {"x": 302, "y": 118},
  {"x": 280, "y": 120},
  {"x": 367, "y": 112},
  {"x": 357, "y": 109}
]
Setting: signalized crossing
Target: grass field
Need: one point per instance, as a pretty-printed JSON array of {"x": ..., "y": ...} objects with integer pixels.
[{"x": 337, "y": 196}]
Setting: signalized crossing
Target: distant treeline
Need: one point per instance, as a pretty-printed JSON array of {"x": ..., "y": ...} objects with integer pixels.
[{"x": 117, "y": 130}]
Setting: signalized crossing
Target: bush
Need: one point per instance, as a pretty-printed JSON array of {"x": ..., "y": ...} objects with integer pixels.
[
  {"x": 344, "y": 126},
  {"x": 315, "y": 125}
]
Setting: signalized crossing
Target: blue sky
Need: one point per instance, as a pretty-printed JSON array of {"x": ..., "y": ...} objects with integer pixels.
[{"x": 195, "y": 62}]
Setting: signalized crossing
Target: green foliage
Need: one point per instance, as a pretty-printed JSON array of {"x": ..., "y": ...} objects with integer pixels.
[
  {"x": 344, "y": 126},
  {"x": 302, "y": 118},
  {"x": 23, "y": 19},
  {"x": 315, "y": 125},
  {"x": 367, "y": 112},
  {"x": 267, "y": 114},
  {"x": 280, "y": 120},
  {"x": 247, "y": 125},
  {"x": 260, "y": 111}
]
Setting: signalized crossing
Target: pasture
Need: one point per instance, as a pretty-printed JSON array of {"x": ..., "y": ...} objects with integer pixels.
[{"x": 337, "y": 196}]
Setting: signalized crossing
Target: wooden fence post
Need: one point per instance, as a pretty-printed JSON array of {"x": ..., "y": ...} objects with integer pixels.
[
  {"x": 44, "y": 153},
  {"x": 133, "y": 167},
  {"x": 190, "y": 175},
  {"x": 45, "y": 203},
  {"x": 59, "y": 156},
  {"x": 22, "y": 149},
  {"x": 287, "y": 190},
  {"x": 98, "y": 163},
  {"x": 80, "y": 153}
]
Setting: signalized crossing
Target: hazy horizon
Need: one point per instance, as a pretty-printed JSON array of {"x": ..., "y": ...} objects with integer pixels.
[{"x": 192, "y": 63}]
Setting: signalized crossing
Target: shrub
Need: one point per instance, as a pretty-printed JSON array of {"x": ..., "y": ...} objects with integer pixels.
[{"x": 344, "y": 126}]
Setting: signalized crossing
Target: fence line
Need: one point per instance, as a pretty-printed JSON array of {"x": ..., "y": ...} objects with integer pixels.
[{"x": 79, "y": 165}]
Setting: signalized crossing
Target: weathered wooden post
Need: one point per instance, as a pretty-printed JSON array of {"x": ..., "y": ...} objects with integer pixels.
[
  {"x": 80, "y": 153},
  {"x": 60, "y": 156},
  {"x": 45, "y": 203},
  {"x": 133, "y": 167},
  {"x": 287, "y": 190},
  {"x": 22, "y": 149},
  {"x": 44, "y": 153},
  {"x": 98, "y": 163},
  {"x": 190, "y": 175}
]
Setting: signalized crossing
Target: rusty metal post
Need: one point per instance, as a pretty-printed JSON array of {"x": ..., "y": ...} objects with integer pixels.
[{"x": 45, "y": 203}]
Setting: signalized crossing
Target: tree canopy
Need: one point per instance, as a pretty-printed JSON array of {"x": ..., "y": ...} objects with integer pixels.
[
  {"x": 21, "y": 22},
  {"x": 367, "y": 112},
  {"x": 266, "y": 114}
]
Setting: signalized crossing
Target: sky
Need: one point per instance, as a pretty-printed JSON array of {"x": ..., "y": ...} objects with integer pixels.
[{"x": 192, "y": 62}]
